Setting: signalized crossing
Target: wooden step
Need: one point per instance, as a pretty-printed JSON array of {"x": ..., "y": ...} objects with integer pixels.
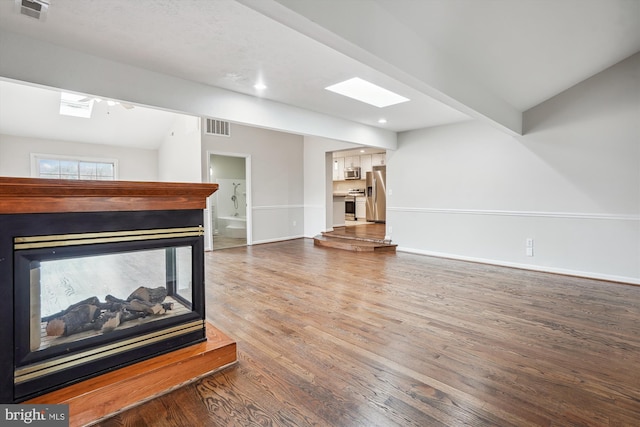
[
  {"x": 358, "y": 237},
  {"x": 353, "y": 244}
]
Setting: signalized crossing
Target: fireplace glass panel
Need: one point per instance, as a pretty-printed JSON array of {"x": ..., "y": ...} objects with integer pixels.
[
  {"x": 75, "y": 298},
  {"x": 184, "y": 286}
]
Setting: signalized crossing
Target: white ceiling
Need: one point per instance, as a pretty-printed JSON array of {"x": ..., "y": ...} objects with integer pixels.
[
  {"x": 31, "y": 111},
  {"x": 452, "y": 58},
  {"x": 527, "y": 51}
]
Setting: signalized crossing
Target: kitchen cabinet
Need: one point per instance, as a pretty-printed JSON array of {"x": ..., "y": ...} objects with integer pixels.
[
  {"x": 365, "y": 162},
  {"x": 338, "y": 168},
  {"x": 378, "y": 159},
  {"x": 352, "y": 162},
  {"x": 338, "y": 211},
  {"x": 365, "y": 165},
  {"x": 361, "y": 208}
]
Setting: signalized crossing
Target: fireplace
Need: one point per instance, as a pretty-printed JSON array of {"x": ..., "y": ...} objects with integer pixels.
[{"x": 93, "y": 289}]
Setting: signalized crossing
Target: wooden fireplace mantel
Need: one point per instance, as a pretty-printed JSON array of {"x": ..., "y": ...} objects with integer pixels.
[{"x": 37, "y": 195}]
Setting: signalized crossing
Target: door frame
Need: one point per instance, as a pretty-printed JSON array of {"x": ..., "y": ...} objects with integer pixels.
[{"x": 247, "y": 172}]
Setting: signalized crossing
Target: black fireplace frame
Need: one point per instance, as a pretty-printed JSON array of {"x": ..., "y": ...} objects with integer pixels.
[{"x": 11, "y": 321}]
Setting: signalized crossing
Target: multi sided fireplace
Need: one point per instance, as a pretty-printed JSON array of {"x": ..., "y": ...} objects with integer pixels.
[{"x": 96, "y": 276}]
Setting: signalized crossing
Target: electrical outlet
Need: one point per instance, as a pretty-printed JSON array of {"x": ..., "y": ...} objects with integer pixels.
[
  {"x": 294, "y": 222},
  {"x": 529, "y": 246},
  {"x": 390, "y": 229}
]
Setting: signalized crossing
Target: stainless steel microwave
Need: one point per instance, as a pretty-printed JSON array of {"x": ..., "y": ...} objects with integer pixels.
[{"x": 352, "y": 173}]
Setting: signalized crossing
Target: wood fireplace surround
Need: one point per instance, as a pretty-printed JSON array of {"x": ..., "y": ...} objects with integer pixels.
[{"x": 60, "y": 222}]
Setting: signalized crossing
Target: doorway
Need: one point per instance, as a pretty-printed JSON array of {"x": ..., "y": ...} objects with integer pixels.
[{"x": 230, "y": 222}]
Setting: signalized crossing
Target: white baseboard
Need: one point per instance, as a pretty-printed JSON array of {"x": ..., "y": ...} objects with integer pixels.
[
  {"x": 279, "y": 239},
  {"x": 566, "y": 272}
]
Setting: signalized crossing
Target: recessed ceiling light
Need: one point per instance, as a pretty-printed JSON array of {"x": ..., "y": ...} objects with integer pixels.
[
  {"x": 367, "y": 92},
  {"x": 382, "y": 121},
  {"x": 259, "y": 86}
]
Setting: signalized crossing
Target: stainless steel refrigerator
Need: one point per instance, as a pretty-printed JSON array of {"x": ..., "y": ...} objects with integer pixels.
[{"x": 377, "y": 194}]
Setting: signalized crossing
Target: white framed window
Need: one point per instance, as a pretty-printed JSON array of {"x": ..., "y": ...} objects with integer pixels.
[{"x": 70, "y": 167}]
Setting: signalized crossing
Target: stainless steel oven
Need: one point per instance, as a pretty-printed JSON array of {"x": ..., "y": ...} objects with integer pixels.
[{"x": 350, "y": 208}]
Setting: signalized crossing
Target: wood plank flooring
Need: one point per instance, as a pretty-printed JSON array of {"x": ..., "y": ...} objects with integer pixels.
[
  {"x": 223, "y": 242},
  {"x": 373, "y": 231},
  {"x": 336, "y": 338}
]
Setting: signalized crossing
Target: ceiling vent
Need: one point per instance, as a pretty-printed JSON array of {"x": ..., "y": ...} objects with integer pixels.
[
  {"x": 33, "y": 8},
  {"x": 218, "y": 127}
]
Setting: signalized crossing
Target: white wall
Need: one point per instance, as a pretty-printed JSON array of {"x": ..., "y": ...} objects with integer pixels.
[
  {"x": 134, "y": 164},
  {"x": 572, "y": 183},
  {"x": 179, "y": 154},
  {"x": 276, "y": 178}
]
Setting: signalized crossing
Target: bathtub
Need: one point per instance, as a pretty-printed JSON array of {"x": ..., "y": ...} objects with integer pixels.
[{"x": 233, "y": 226}]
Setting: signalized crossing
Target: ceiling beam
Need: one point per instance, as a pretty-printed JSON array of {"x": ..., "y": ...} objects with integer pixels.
[
  {"x": 41, "y": 63},
  {"x": 364, "y": 31}
]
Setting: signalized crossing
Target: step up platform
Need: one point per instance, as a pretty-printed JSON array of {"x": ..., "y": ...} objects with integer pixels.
[{"x": 355, "y": 244}]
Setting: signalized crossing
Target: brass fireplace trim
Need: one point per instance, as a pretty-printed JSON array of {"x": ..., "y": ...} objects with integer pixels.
[
  {"x": 28, "y": 373},
  {"x": 58, "y": 240}
]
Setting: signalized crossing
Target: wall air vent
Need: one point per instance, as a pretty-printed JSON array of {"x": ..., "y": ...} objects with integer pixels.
[
  {"x": 218, "y": 127},
  {"x": 33, "y": 8}
]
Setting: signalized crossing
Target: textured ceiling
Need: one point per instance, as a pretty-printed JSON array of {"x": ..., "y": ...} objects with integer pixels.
[{"x": 454, "y": 59}]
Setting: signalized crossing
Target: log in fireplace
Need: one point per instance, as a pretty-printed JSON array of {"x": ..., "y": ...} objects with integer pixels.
[{"x": 96, "y": 276}]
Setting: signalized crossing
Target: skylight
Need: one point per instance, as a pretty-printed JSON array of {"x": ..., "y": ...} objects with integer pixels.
[
  {"x": 75, "y": 105},
  {"x": 364, "y": 91}
]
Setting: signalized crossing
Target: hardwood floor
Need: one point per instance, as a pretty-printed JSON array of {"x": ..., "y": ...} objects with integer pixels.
[
  {"x": 363, "y": 231},
  {"x": 223, "y": 242},
  {"x": 335, "y": 338}
]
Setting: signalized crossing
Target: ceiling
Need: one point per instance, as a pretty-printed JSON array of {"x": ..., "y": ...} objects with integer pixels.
[
  {"x": 30, "y": 111},
  {"x": 455, "y": 59}
]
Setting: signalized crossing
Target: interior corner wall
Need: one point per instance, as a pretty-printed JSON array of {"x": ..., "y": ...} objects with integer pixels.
[
  {"x": 276, "y": 178},
  {"x": 134, "y": 164},
  {"x": 179, "y": 155},
  {"x": 571, "y": 183}
]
